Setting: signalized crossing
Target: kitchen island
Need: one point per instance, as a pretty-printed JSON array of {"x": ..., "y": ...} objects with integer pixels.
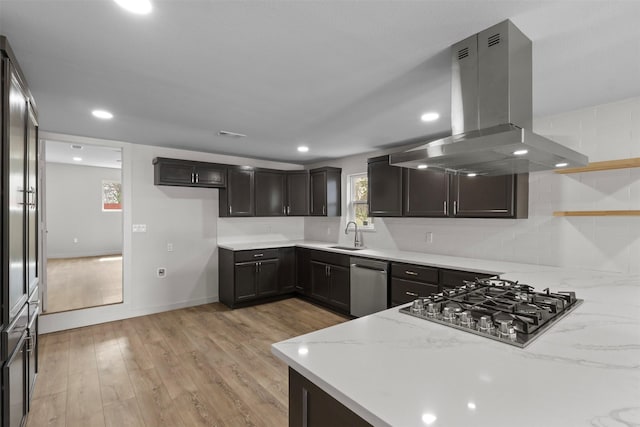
[{"x": 391, "y": 369}]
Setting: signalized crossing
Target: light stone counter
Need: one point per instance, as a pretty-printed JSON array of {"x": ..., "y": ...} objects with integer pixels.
[{"x": 395, "y": 370}]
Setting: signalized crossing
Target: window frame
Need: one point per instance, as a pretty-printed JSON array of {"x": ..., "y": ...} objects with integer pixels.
[{"x": 351, "y": 203}]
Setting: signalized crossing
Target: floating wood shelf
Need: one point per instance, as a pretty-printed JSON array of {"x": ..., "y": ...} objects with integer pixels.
[
  {"x": 606, "y": 165},
  {"x": 597, "y": 213}
]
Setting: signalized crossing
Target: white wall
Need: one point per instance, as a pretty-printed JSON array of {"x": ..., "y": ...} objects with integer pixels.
[
  {"x": 604, "y": 132},
  {"x": 74, "y": 211},
  {"x": 185, "y": 217}
]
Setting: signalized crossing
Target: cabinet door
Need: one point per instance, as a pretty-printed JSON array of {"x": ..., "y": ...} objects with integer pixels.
[
  {"x": 267, "y": 277},
  {"x": 319, "y": 193},
  {"x": 320, "y": 280},
  {"x": 303, "y": 270},
  {"x": 298, "y": 193},
  {"x": 287, "y": 273},
  {"x": 240, "y": 192},
  {"x": 245, "y": 281},
  {"x": 210, "y": 176},
  {"x": 339, "y": 287},
  {"x": 32, "y": 359},
  {"x": 426, "y": 193},
  {"x": 17, "y": 193},
  {"x": 15, "y": 379},
  {"x": 32, "y": 202},
  {"x": 310, "y": 406},
  {"x": 385, "y": 188},
  {"x": 484, "y": 196},
  {"x": 175, "y": 174},
  {"x": 270, "y": 193}
]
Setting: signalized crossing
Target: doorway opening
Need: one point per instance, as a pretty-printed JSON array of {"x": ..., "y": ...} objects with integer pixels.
[{"x": 83, "y": 220}]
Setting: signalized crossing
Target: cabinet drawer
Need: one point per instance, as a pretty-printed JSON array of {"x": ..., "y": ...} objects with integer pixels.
[
  {"x": 330, "y": 258},
  {"x": 403, "y": 291},
  {"x": 256, "y": 255},
  {"x": 415, "y": 273},
  {"x": 453, "y": 278}
]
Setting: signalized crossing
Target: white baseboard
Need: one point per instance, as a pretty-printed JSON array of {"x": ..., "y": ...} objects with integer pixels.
[
  {"x": 55, "y": 322},
  {"x": 54, "y": 255}
]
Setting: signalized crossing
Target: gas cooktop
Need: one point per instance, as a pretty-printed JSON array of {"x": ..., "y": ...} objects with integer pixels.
[{"x": 499, "y": 309}]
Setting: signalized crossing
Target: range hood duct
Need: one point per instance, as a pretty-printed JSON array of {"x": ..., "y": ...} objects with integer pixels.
[{"x": 491, "y": 112}]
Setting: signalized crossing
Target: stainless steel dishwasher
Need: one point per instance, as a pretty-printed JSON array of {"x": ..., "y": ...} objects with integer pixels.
[{"x": 368, "y": 286}]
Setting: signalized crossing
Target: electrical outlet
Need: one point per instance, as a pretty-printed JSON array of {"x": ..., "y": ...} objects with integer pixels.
[
  {"x": 162, "y": 272},
  {"x": 429, "y": 237},
  {"x": 169, "y": 247},
  {"x": 139, "y": 228}
]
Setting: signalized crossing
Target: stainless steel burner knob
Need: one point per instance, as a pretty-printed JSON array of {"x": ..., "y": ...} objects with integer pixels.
[
  {"x": 431, "y": 310},
  {"x": 486, "y": 325},
  {"x": 466, "y": 320},
  {"x": 417, "y": 307}
]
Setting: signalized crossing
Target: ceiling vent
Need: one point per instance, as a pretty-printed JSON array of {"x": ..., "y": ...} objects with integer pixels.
[
  {"x": 76, "y": 146},
  {"x": 230, "y": 134}
]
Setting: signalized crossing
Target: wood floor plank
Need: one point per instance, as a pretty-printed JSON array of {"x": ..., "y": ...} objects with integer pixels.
[{"x": 201, "y": 366}]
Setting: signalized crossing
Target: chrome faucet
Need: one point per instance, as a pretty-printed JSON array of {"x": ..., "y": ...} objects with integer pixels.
[{"x": 356, "y": 241}]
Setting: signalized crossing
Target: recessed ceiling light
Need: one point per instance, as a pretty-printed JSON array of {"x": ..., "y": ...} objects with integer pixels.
[
  {"x": 471, "y": 405},
  {"x": 520, "y": 152},
  {"x": 422, "y": 166},
  {"x": 561, "y": 165},
  {"x": 430, "y": 117},
  {"x": 77, "y": 159},
  {"x": 102, "y": 114},
  {"x": 429, "y": 419},
  {"x": 472, "y": 174},
  {"x": 139, "y": 7},
  {"x": 303, "y": 149}
]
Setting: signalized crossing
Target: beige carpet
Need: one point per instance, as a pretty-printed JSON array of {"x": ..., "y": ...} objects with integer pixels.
[{"x": 74, "y": 283}]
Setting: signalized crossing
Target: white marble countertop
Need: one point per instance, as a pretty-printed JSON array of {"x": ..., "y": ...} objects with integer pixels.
[{"x": 395, "y": 370}]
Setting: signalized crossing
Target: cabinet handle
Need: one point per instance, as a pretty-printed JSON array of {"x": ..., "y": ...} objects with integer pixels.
[
  {"x": 305, "y": 407},
  {"x": 229, "y": 209},
  {"x": 329, "y": 270},
  {"x": 256, "y": 268},
  {"x": 411, "y": 294},
  {"x": 411, "y": 273},
  {"x": 258, "y": 255},
  {"x": 197, "y": 178},
  {"x": 455, "y": 207},
  {"x": 193, "y": 179},
  {"x": 445, "y": 207},
  {"x": 29, "y": 344},
  {"x": 288, "y": 210},
  {"x": 324, "y": 210}
]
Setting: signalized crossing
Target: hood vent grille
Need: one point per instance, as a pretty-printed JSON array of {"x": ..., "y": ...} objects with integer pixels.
[
  {"x": 463, "y": 53},
  {"x": 494, "y": 40}
]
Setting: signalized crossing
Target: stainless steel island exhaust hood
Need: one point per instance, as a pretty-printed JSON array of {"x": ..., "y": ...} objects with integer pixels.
[{"x": 491, "y": 112}]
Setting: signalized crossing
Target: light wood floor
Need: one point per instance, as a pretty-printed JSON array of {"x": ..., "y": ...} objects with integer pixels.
[
  {"x": 201, "y": 366},
  {"x": 74, "y": 283}
]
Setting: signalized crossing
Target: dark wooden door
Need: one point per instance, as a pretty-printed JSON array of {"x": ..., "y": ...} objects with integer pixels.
[
  {"x": 240, "y": 190},
  {"x": 32, "y": 202},
  {"x": 385, "y": 187},
  {"x": 267, "y": 277},
  {"x": 287, "y": 273},
  {"x": 210, "y": 176},
  {"x": 339, "y": 287},
  {"x": 176, "y": 173},
  {"x": 483, "y": 196},
  {"x": 298, "y": 193},
  {"x": 320, "y": 280},
  {"x": 426, "y": 193},
  {"x": 270, "y": 193},
  {"x": 245, "y": 281},
  {"x": 303, "y": 270},
  {"x": 318, "y": 193},
  {"x": 17, "y": 193}
]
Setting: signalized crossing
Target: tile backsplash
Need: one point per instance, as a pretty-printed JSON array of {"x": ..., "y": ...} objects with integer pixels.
[{"x": 604, "y": 132}]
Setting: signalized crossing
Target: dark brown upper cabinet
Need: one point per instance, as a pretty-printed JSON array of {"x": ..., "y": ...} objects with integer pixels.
[
  {"x": 270, "y": 193},
  {"x": 325, "y": 191},
  {"x": 426, "y": 193},
  {"x": 504, "y": 196},
  {"x": 237, "y": 199},
  {"x": 187, "y": 173},
  {"x": 297, "y": 193},
  {"x": 384, "y": 187}
]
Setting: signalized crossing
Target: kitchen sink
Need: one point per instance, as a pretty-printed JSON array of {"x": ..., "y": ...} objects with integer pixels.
[{"x": 347, "y": 248}]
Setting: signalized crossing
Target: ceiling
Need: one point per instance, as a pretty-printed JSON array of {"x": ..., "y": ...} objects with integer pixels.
[
  {"x": 341, "y": 77},
  {"x": 83, "y": 154}
]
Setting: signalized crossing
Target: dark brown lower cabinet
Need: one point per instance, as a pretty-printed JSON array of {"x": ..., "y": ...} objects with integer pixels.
[
  {"x": 287, "y": 272},
  {"x": 331, "y": 284},
  {"x": 310, "y": 406},
  {"x": 303, "y": 271},
  {"x": 404, "y": 291},
  {"x": 454, "y": 278}
]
